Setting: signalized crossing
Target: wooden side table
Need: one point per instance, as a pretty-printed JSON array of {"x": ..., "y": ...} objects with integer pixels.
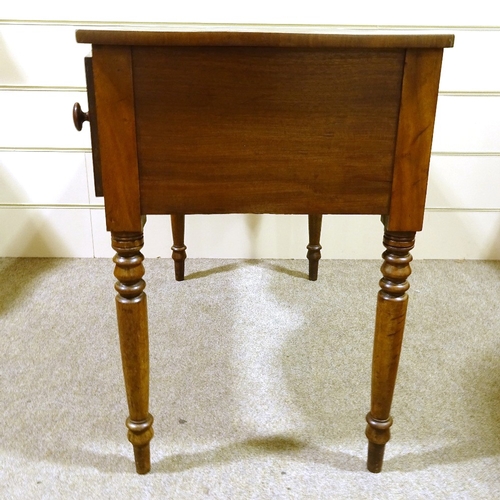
[{"x": 230, "y": 122}]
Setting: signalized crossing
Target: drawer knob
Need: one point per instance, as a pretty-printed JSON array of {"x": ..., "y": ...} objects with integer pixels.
[{"x": 79, "y": 116}]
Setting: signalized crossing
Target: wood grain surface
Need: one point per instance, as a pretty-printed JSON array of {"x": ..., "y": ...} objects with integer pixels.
[{"x": 266, "y": 130}]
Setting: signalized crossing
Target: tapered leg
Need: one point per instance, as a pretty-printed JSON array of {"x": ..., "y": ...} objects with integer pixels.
[
  {"x": 314, "y": 248},
  {"x": 389, "y": 326},
  {"x": 178, "y": 248},
  {"x": 131, "y": 311}
]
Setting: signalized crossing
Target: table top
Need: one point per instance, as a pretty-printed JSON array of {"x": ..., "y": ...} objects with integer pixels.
[{"x": 263, "y": 39}]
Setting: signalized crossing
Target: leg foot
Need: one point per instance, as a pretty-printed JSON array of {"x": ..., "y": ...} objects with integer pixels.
[
  {"x": 142, "y": 459},
  {"x": 314, "y": 248},
  {"x": 375, "y": 457}
]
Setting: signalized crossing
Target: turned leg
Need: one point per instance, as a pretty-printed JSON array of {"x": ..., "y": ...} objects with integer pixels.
[
  {"x": 389, "y": 326},
  {"x": 314, "y": 248},
  {"x": 133, "y": 330},
  {"x": 178, "y": 248}
]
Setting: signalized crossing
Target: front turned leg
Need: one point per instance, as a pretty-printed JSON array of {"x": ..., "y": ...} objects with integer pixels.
[
  {"x": 132, "y": 317},
  {"x": 389, "y": 326},
  {"x": 314, "y": 248},
  {"x": 178, "y": 248}
]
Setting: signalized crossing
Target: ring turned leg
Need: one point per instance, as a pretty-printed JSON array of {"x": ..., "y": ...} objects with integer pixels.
[
  {"x": 389, "y": 326},
  {"x": 178, "y": 248},
  {"x": 314, "y": 248},
  {"x": 131, "y": 311}
]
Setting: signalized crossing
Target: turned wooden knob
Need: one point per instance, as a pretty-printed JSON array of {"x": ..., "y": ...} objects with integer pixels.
[{"x": 79, "y": 116}]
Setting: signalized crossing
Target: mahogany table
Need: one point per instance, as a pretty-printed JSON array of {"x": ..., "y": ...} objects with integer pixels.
[{"x": 281, "y": 123}]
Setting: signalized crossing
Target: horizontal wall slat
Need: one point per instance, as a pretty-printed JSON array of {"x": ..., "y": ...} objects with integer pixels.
[
  {"x": 253, "y": 236},
  {"x": 467, "y": 124},
  {"x": 468, "y": 65},
  {"x": 446, "y": 235},
  {"x": 43, "y": 178},
  {"x": 459, "y": 235},
  {"x": 383, "y": 12},
  {"x": 45, "y": 233},
  {"x": 464, "y": 182},
  {"x": 54, "y": 60},
  {"x": 41, "y": 119},
  {"x": 68, "y": 233}
]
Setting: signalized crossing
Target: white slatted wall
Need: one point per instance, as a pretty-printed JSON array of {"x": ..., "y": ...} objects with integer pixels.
[{"x": 47, "y": 206}]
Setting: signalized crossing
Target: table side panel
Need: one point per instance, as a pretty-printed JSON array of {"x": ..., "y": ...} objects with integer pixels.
[
  {"x": 114, "y": 110},
  {"x": 266, "y": 130},
  {"x": 415, "y": 131}
]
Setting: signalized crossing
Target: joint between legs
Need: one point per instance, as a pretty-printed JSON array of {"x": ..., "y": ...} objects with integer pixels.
[
  {"x": 141, "y": 432},
  {"x": 378, "y": 431}
]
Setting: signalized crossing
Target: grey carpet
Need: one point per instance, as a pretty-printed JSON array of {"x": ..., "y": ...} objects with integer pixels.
[{"x": 259, "y": 382}]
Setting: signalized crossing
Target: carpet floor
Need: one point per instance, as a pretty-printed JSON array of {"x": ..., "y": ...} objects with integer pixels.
[{"x": 260, "y": 382}]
